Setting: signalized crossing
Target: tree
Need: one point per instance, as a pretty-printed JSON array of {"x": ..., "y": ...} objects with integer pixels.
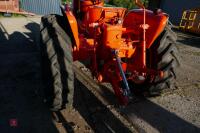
[
  {"x": 120, "y": 3},
  {"x": 66, "y": 1}
]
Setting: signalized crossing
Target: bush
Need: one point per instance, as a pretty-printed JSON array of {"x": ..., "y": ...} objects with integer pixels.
[
  {"x": 126, "y": 3},
  {"x": 120, "y": 3}
]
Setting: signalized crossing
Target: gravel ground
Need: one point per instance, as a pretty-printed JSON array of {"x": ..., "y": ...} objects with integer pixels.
[{"x": 176, "y": 111}]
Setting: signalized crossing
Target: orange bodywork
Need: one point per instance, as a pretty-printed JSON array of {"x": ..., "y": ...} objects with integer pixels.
[
  {"x": 102, "y": 32},
  {"x": 74, "y": 27},
  {"x": 156, "y": 23},
  {"x": 85, "y": 4}
]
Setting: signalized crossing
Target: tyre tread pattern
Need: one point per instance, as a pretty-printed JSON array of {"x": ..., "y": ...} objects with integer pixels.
[
  {"x": 164, "y": 57},
  {"x": 57, "y": 62}
]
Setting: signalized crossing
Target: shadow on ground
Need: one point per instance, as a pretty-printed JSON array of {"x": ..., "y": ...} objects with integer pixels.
[
  {"x": 188, "y": 38},
  {"x": 20, "y": 84},
  {"x": 194, "y": 42},
  {"x": 96, "y": 114},
  {"x": 155, "y": 115}
]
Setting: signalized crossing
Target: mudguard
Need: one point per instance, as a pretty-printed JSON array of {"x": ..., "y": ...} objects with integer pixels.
[
  {"x": 72, "y": 27},
  {"x": 156, "y": 23}
]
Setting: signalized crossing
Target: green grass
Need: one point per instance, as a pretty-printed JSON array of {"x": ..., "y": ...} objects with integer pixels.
[
  {"x": 1, "y": 15},
  {"x": 197, "y": 85},
  {"x": 17, "y": 15},
  {"x": 195, "y": 53},
  {"x": 192, "y": 53},
  {"x": 13, "y": 15}
]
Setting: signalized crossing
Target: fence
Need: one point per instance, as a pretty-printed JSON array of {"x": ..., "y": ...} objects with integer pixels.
[
  {"x": 34, "y": 6},
  {"x": 41, "y": 6}
]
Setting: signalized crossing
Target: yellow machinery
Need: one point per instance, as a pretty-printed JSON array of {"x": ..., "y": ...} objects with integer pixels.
[{"x": 190, "y": 21}]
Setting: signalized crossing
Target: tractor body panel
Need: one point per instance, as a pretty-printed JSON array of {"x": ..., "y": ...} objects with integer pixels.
[
  {"x": 156, "y": 23},
  {"x": 74, "y": 27}
]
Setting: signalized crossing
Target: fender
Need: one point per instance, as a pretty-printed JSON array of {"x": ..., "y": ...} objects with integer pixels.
[
  {"x": 72, "y": 28},
  {"x": 156, "y": 22}
]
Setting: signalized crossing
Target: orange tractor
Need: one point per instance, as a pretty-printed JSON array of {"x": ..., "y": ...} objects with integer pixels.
[{"x": 133, "y": 50}]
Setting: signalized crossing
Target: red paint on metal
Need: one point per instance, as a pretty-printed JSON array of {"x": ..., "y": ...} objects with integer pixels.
[{"x": 156, "y": 23}]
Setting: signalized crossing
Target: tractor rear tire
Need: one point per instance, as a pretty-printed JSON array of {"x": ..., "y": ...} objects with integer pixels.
[
  {"x": 163, "y": 56},
  {"x": 57, "y": 60}
]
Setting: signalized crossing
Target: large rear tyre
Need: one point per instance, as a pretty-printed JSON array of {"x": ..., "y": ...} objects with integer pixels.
[
  {"x": 57, "y": 73},
  {"x": 162, "y": 56}
]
